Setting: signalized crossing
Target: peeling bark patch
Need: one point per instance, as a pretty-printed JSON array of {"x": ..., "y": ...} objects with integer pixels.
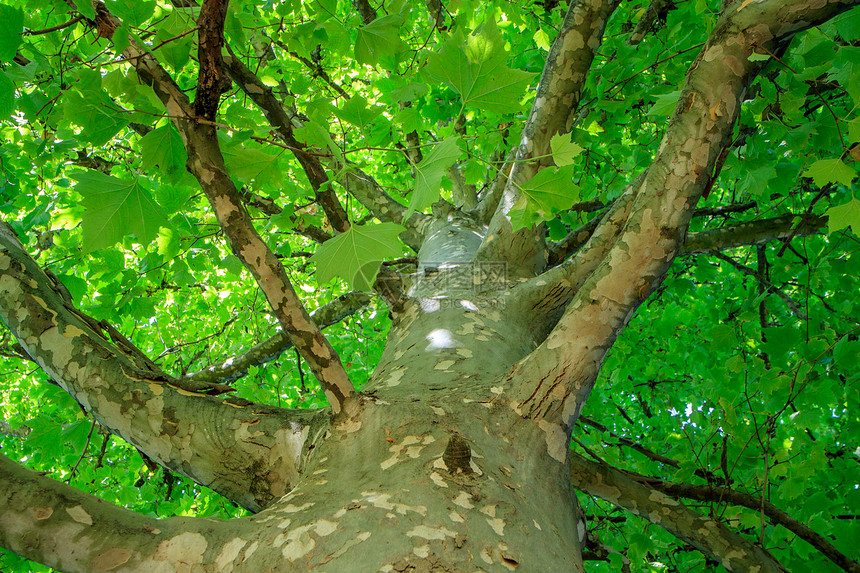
[
  {"x": 110, "y": 559},
  {"x": 185, "y": 549},
  {"x": 662, "y": 498},
  {"x": 41, "y": 513},
  {"x": 299, "y": 543},
  {"x": 464, "y": 500},
  {"x": 382, "y": 501},
  {"x": 437, "y": 479},
  {"x": 498, "y": 525},
  {"x": 430, "y": 533},
  {"x": 296, "y": 508},
  {"x": 80, "y": 515},
  {"x": 556, "y": 440},
  {"x": 224, "y": 561},
  {"x": 394, "y": 378}
]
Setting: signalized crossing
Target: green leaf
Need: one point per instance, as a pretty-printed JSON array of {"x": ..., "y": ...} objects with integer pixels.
[
  {"x": 665, "y": 103},
  {"x": 11, "y": 26},
  {"x": 755, "y": 182},
  {"x": 356, "y": 254},
  {"x": 428, "y": 174},
  {"x": 541, "y": 38},
  {"x": 356, "y": 111},
  {"x": 7, "y": 96},
  {"x": 378, "y": 39},
  {"x": 253, "y": 165},
  {"x": 86, "y": 8},
  {"x": 116, "y": 209},
  {"x": 132, "y": 12},
  {"x": 826, "y": 171},
  {"x": 479, "y": 73},
  {"x": 843, "y": 216},
  {"x": 177, "y": 50},
  {"x": 90, "y": 107},
  {"x": 563, "y": 149},
  {"x": 315, "y": 134},
  {"x": 162, "y": 148},
  {"x": 548, "y": 192}
]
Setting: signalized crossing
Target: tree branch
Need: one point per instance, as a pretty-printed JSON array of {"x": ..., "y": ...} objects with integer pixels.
[
  {"x": 727, "y": 495},
  {"x": 237, "y": 366},
  {"x": 558, "y": 93},
  {"x": 368, "y": 14},
  {"x": 656, "y": 10},
  {"x": 209, "y": 442},
  {"x": 567, "y": 362},
  {"x": 734, "y": 552},
  {"x": 766, "y": 284},
  {"x": 206, "y": 163},
  {"x": 265, "y": 99},
  {"x": 756, "y": 232}
]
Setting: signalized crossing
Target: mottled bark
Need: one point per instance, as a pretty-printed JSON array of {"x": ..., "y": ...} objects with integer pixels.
[
  {"x": 558, "y": 94},
  {"x": 251, "y": 453},
  {"x": 458, "y": 456},
  {"x": 206, "y": 163},
  {"x": 734, "y": 552}
]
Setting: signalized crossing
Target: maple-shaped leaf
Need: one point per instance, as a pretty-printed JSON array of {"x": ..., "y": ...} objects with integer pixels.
[
  {"x": 89, "y": 106},
  {"x": 478, "y": 71},
  {"x": 428, "y": 174},
  {"x": 378, "y": 39},
  {"x": 756, "y": 181},
  {"x": 357, "y": 112},
  {"x": 248, "y": 164},
  {"x": 116, "y": 209},
  {"x": 843, "y": 216},
  {"x": 547, "y": 193},
  {"x": 355, "y": 255},
  {"x": 563, "y": 149},
  {"x": 162, "y": 148},
  {"x": 826, "y": 171}
]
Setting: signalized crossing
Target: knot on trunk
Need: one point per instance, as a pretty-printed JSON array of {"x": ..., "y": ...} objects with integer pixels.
[{"x": 457, "y": 455}]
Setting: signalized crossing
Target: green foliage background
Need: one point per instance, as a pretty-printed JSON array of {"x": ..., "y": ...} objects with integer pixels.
[{"x": 697, "y": 376}]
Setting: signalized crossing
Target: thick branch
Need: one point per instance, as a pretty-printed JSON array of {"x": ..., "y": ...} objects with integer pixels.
[
  {"x": 373, "y": 198},
  {"x": 727, "y": 495},
  {"x": 655, "y": 11},
  {"x": 734, "y": 552},
  {"x": 356, "y": 182},
  {"x": 751, "y": 233},
  {"x": 368, "y": 14},
  {"x": 547, "y": 295},
  {"x": 558, "y": 93},
  {"x": 567, "y": 362},
  {"x": 265, "y": 99},
  {"x": 237, "y": 366},
  {"x": 210, "y": 34},
  {"x": 206, "y": 163},
  {"x": 191, "y": 433}
]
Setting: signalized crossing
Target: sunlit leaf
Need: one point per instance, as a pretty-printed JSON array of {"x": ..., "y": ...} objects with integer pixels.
[
  {"x": 547, "y": 193},
  {"x": 843, "y": 216},
  {"x": 832, "y": 170},
  {"x": 429, "y": 172},
  {"x": 356, "y": 254},
  {"x": 116, "y": 209},
  {"x": 378, "y": 39}
]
